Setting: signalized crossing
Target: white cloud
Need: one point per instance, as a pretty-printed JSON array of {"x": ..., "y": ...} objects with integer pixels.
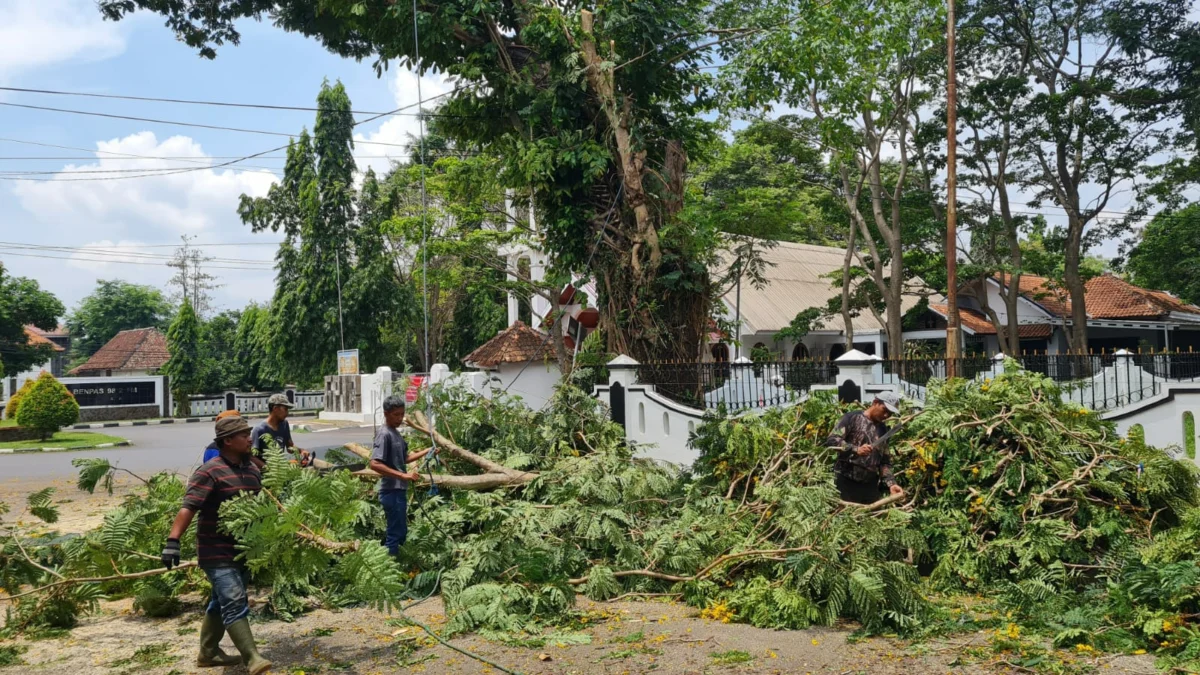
[
  {"x": 39, "y": 33},
  {"x": 399, "y": 129},
  {"x": 125, "y": 215}
]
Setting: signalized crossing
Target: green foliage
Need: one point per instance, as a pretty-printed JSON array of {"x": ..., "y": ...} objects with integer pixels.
[
  {"x": 1012, "y": 494},
  {"x": 113, "y": 307},
  {"x": 47, "y": 407},
  {"x": 1167, "y": 256},
  {"x": 14, "y": 401},
  {"x": 185, "y": 367},
  {"x": 41, "y": 505},
  {"x": 24, "y": 303},
  {"x": 10, "y": 655}
]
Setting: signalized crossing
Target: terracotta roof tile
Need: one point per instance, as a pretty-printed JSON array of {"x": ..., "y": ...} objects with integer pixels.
[
  {"x": 516, "y": 344},
  {"x": 981, "y": 325},
  {"x": 33, "y": 336},
  {"x": 137, "y": 349},
  {"x": 60, "y": 331},
  {"x": 1107, "y": 297}
]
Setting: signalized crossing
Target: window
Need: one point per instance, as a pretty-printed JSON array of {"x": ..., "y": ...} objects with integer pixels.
[
  {"x": 720, "y": 353},
  {"x": 799, "y": 352}
]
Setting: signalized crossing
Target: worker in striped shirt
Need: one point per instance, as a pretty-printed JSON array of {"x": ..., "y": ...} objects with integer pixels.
[{"x": 214, "y": 483}]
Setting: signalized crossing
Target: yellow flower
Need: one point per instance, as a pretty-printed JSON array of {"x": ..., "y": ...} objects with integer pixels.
[
  {"x": 975, "y": 471},
  {"x": 816, "y": 642},
  {"x": 1139, "y": 652},
  {"x": 1083, "y": 649},
  {"x": 1168, "y": 626},
  {"x": 1013, "y": 632}
]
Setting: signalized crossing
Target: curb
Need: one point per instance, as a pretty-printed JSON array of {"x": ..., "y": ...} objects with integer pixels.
[
  {"x": 27, "y": 451},
  {"x": 172, "y": 420}
]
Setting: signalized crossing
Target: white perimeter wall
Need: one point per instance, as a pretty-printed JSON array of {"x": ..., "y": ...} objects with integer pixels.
[{"x": 533, "y": 382}]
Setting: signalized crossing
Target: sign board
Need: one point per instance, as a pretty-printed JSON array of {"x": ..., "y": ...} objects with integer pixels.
[
  {"x": 103, "y": 394},
  {"x": 348, "y": 362},
  {"x": 414, "y": 387}
]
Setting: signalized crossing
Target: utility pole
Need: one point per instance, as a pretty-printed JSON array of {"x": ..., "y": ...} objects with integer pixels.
[{"x": 953, "y": 343}]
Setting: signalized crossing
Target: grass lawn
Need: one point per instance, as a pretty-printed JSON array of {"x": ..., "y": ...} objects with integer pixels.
[
  {"x": 8, "y": 423},
  {"x": 64, "y": 439}
]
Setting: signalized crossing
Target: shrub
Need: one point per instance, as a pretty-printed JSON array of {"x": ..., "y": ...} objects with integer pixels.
[
  {"x": 47, "y": 407},
  {"x": 14, "y": 401}
]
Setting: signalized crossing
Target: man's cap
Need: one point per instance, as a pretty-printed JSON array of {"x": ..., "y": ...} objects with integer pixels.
[
  {"x": 231, "y": 426},
  {"x": 279, "y": 399},
  {"x": 890, "y": 400},
  {"x": 228, "y": 413}
]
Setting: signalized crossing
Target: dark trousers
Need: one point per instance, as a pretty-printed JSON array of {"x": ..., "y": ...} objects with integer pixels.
[
  {"x": 228, "y": 593},
  {"x": 854, "y": 491},
  {"x": 395, "y": 507}
]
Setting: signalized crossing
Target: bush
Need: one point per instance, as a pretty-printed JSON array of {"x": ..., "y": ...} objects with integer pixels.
[
  {"x": 14, "y": 401},
  {"x": 47, "y": 407}
]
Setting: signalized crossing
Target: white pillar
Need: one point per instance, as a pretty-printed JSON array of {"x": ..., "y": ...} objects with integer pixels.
[
  {"x": 514, "y": 306},
  {"x": 857, "y": 367},
  {"x": 537, "y": 273}
]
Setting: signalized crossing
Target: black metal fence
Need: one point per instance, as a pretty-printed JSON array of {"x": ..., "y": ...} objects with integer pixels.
[
  {"x": 736, "y": 386},
  {"x": 1096, "y": 381},
  {"x": 912, "y": 375},
  {"x": 1100, "y": 381}
]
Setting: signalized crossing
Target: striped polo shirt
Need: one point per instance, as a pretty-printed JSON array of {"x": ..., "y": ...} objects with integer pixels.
[{"x": 212, "y": 485}]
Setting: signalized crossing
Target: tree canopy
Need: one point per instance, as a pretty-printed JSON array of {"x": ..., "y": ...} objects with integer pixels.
[
  {"x": 1168, "y": 255},
  {"x": 114, "y": 306},
  {"x": 24, "y": 303}
]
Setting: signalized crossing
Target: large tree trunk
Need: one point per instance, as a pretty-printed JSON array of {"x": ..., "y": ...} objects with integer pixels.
[{"x": 1074, "y": 283}]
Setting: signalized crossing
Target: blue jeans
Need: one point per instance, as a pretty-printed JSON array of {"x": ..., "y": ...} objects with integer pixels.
[
  {"x": 228, "y": 593},
  {"x": 395, "y": 507}
]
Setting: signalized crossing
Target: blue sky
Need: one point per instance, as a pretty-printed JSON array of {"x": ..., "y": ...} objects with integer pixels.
[{"x": 64, "y": 45}]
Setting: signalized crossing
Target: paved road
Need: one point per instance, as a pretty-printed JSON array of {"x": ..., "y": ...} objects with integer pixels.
[{"x": 168, "y": 447}]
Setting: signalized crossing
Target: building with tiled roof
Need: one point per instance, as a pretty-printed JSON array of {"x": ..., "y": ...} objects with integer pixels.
[
  {"x": 141, "y": 351},
  {"x": 1120, "y": 316}
]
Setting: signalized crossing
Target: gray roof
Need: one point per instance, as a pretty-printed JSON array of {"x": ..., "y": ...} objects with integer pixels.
[{"x": 797, "y": 279}]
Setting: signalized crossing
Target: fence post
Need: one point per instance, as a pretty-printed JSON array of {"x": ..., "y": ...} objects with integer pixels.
[
  {"x": 854, "y": 373},
  {"x": 1123, "y": 361},
  {"x": 622, "y": 372}
]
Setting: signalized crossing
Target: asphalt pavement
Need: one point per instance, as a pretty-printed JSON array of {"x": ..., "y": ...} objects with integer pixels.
[{"x": 169, "y": 447}]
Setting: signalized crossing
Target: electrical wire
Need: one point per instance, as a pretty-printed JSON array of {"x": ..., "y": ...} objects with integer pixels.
[{"x": 228, "y": 104}]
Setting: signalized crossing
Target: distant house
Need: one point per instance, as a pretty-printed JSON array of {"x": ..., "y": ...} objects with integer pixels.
[
  {"x": 1120, "y": 316},
  {"x": 799, "y": 277},
  {"x": 520, "y": 361},
  {"x": 36, "y": 336},
  {"x": 131, "y": 353}
]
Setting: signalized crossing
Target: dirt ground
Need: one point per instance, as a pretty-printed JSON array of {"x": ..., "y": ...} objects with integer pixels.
[{"x": 622, "y": 637}]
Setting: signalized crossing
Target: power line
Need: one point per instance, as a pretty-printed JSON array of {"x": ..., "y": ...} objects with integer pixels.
[
  {"x": 120, "y": 262},
  {"x": 230, "y": 104},
  {"x": 117, "y": 251},
  {"x": 196, "y": 125}
]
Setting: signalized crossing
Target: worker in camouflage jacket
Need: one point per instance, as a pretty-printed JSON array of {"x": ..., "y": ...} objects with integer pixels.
[{"x": 862, "y": 463}]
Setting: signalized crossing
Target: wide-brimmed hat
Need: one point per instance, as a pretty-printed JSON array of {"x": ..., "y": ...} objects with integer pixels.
[
  {"x": 231, "y": 426},
  {"x": 890, "y": 401},
  {"x": 279, "y": 399}
]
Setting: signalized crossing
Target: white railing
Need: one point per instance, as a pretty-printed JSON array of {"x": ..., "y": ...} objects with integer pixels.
[{"x": 209, "y": 405}]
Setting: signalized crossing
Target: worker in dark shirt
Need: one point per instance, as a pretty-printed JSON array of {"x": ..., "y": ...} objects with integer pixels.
[
  {"x": 212, "y": 451},
  {"x": 218, "y": 481},
  {"x": 390, "y": 459},
  {"x": 862, "y": 463},
  {"x": 276, "y": 427}
]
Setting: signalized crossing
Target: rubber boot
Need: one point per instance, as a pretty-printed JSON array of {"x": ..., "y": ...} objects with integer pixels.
[
  {"x": 211, "y": 655},
  {"x": 239, "y": 631}
]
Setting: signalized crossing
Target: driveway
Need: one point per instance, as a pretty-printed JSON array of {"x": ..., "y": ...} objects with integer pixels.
[{"x": 166, "y": 447}]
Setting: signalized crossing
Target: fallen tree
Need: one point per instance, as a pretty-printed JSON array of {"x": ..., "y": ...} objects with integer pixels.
[{"x": 1010, "y": 493}]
